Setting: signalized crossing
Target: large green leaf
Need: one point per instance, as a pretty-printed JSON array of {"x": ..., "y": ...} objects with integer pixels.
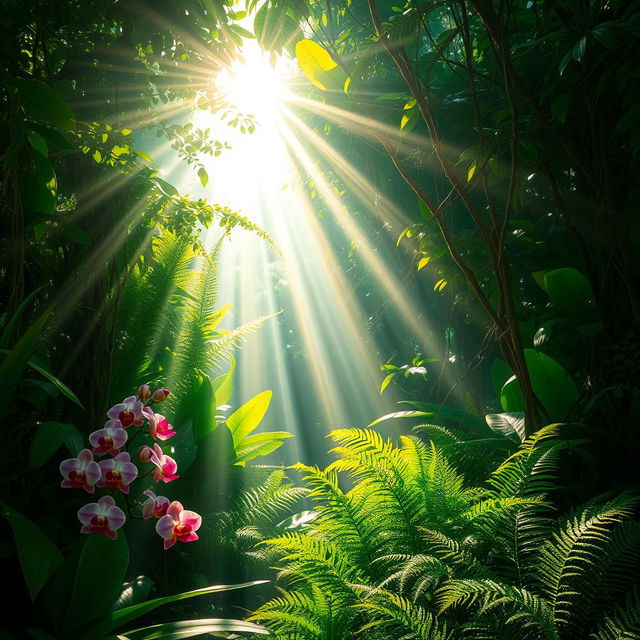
[
  {"x": 190, "y": 628},
  {"x": 42, "y": 104},
  {"x": 123, "y": 616},
  {"x": 570, "y": 292},
  {"x": 551, "y": 383},
  {"x": 245, "y": 419},
  {"x": 39, "y": 557},
  {"x": 101, "y": 570},
  {"x": 260, "y": 444},
  {"x": 318, "y": 65},
  {"x": 49, "y": 437}
]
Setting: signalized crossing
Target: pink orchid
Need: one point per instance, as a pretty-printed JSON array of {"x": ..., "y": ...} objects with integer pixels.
[
  {"x": 158, "y": 425},
  {"x": 81, "y": 472},
  {"x": 166, "y": 465},
  {"x": 178, "y": 524},
  {"x": 159, "y": 395},
  {"x": 144, "y": 392},
  {"x": 109, "y": 439},
  {"x": 118, "y": 472},
  {"x": 144, "y": 453},
  {"x": 154, "y": 506},
  {"x": 101, "y": 517},
  {"x": 129, "y": 412}
]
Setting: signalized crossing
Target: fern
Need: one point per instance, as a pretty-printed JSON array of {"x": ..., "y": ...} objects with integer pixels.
[
  {"x": 623, "y": 623},
  {"x": 412, "y": 551},
  {"x": 571, "y": 561},
  {"x": 388, "y": 611},
  {"x": 519, "y": 608}
]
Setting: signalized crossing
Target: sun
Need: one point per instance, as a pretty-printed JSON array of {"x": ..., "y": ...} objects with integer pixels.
[{"x": 254, "y": 85}]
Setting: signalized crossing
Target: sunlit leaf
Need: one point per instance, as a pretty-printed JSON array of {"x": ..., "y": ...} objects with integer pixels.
[
  {"x": 440, "y": 285},
  {"x": 123, "y": 616},
  {"x": 245, "y": 419},
  {"x": 318, "y": 65},
  {"x": 223, "y": 384},
  {"x": 386, "y": 381},
  {"x": 190, "y": 628}
]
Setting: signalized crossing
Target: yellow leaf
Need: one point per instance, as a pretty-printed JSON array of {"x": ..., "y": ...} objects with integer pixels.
[
  {"x": 423, "y": 262},
  {"x": 440, "y": 285},
  {"x": 470, "y": 173},
  {"x": 318, "y": 65}
]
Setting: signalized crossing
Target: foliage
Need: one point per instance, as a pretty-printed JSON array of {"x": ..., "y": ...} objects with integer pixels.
[
  {"x": 484, "y": 112},
  {"x": 412, "y": 550}
]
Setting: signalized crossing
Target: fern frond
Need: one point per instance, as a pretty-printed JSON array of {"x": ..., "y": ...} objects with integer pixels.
[
  {"x": 528, "y": 612},
  {"x": 391, "y": 613},
  {"x": 623, "y": 623},
  {"x": 341, "y": 519},
  {"x": 417, "y": 574},
  {"x": 571, "y": 562}
]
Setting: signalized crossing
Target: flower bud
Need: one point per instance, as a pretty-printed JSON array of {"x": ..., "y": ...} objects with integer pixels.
[
  {"x": 160, "y": 394},
  {"x": 144, "y": 392},
  {"x": 144, "y": 453}
]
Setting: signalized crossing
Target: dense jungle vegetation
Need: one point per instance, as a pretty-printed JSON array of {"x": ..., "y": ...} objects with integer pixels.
[{"x": 461, "y": 228}]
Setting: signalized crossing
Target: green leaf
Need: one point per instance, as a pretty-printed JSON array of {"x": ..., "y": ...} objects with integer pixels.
[
  {"x": 101, "y": 569},
  {"x": 133, "y": 592},
  {"x": 64, "y": 390},
  {"x": 245, "y": 419},
  {"x": 203, "y": 175},
  {"x": 43, "y": 197},
  {"x": 570, "y": 292},
  {"x": 318, "y": 65},
  {"x": 260, "y": 444},
  {"x": 39, "y": 557},
  {"x": 145, "y": 156},
  {"x": 223, "y": 384},
  {"x": 123, "y": 616},
  {"x": 510, "y": 425},
  {"x": 241, "y": 31},
  {"x": 51, "y": 135},
  {"x": 42, "y": 104},
  {"x": 49, "y": 437},
  {"x": 385, "y": 383},
  {"x": 500, "y": 373},
  {"x": 167, "y": 188},
  {"x": 10, "y": 327},
  {"x": 203, "y": 410},
  {"x": 410, "y": 118},
  {"x": 76, "y": 234},
  {"x": 453, "y": 415},
  {"x": 551, "y": 383},
  {"x": 38, "y": 143},
  {"x": 190, "y": 628},
  {"x": 17, "y": 360}
]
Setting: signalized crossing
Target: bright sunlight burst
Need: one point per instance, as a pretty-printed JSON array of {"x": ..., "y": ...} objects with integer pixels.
[{"x": 255, "y": 86}]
